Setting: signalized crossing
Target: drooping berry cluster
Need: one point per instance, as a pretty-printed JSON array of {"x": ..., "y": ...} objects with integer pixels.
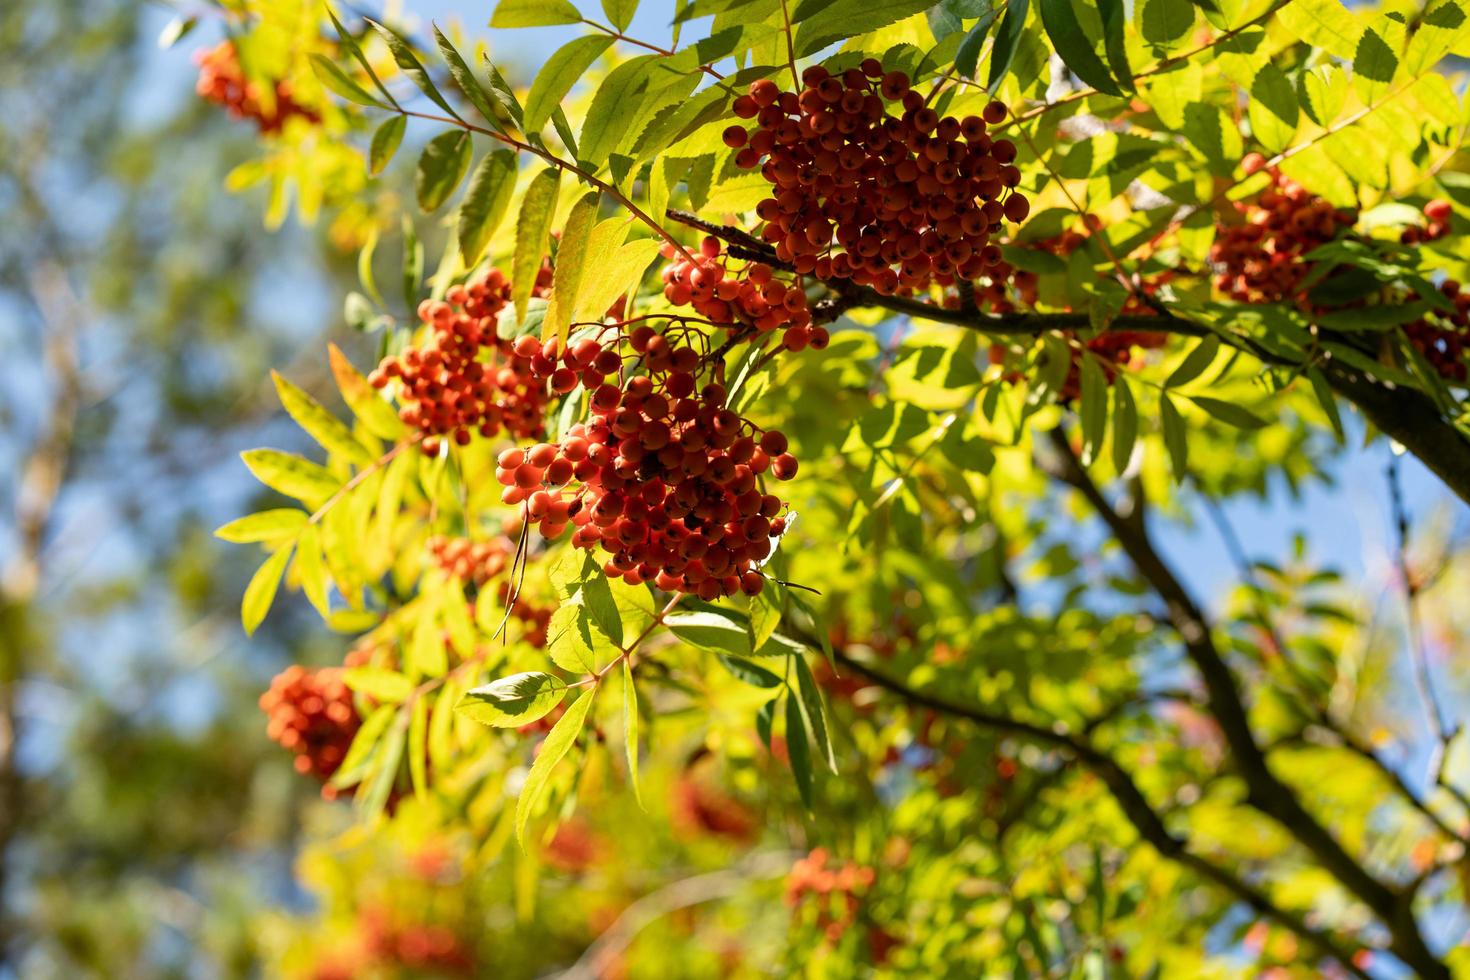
[
  {"x": 222, "y": 80},
  {"x": 892, "y": 202},
  {"x": 752, "y": 299},
  {"x": 1260, "y": 260},
  {"x": 463, "y": 378},
  {"x": 418, "y": 947},
  {"x": 668, "y": 478},
  {"x": 836, "y": 894},
  {"x": 699, "y": 806},
  {"x": 474, "y": 562},
  {"x": 311, "y": 713}
]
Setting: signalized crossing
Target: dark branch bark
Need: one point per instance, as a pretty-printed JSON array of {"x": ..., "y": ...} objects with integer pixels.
[
  {"x": 1407, "y": 416},
  {"x": 1265, "y": 792},
  {"x": 1145, "y": 819}
]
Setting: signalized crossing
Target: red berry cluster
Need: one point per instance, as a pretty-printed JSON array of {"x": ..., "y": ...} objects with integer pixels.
[
  {"x": 575, "y": 847},
  {"x": 668, "y": 478},
  {"x": 476, "y": 562},
  {"x": 1444, "y": 338},
  {"x": 909, "y": 200},
  {"x": 700, "y": 807},
  {"x": 1437, "y": 223},
  {"x": 420, "y": 947},
  {"x": 449, "y": 387},
  {"x": 311, "y": 713},
  {"x": 835, "y": 891},
  {"x": 753, "y": 299},
  {"x": 1260, "y": 260},
  {"x": 223, "y": 81}
]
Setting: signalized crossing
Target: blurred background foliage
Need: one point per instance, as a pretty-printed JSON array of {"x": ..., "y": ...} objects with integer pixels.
[{"x": 151, "y": 829}]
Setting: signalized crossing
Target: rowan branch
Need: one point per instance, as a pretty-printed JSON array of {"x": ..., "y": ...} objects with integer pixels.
[
  {"x": 1265, "y": 792},
  {"x": 1146, "y": 821}
]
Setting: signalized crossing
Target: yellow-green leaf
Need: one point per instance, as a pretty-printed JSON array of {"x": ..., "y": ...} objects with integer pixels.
[
  {"x": 558, "y": 742},
  {"x": 261, "y": 591},
  {"x": 268, "y": 525},
  {"x": 571, "y": 258},
  {"x": 376, "y": 414},
  {"x": 291, "y": 474},
  {"x": 537, "y": 209}
]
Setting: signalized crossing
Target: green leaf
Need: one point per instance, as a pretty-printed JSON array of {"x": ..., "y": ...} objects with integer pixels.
[
  {"x": 1195, "y": 363},
  {"x": 1273, "y": 109},
  {"x": 1228, "y": 412},
  {"x": 571, "y": 263},
  {"x": 268, "y": 525},
  {"x": 418, "y": 747},
  {"x": 1323, "y": 92},
  {"x": 558, "y": 742},
  {"x": 410, "y": 65},
  {"x": 615, "y": 105},
  {"x": 537, "y": 209},
  {"x": 1115, "y": 20},
  {"x": 534, "y": 13},
  {"x": 822, "y": 22},
  {"x": 365, "y": 267},
  {"x": 1164, "y": 22},
  {"x": 261, "y": 591},
  {"x": 1328, "y": 401},
  {"x": 815, "y": 711},
  {"x": 336, "y": 79},
  {"x": 967, "y": 58},
  {"x": 1374, "y": 65},
  {"x": 441, "y": 725},
  {"x": 1125, "y": 424},
  {"x": 1074, "y": 46},
  {"x": 620, "y": 12},
  {"x": 513, "y": 701},
  {"x": 574, "y": 643},
  {"x": 376, "y": 415},
  {"x": 175, "y": 31},
  {"x": 350, "y": 43},
  {"x": 616, "y": 273},
  {"x": 311, "y": 571},
  {"x": 386, "y": 140},
  {"x": 290, "y": 474},
  {"x": 602, "y": 606},
  {"x": 413, "y": 264},
  {"x": 1007, "y": 39},
  {"x": 798, "y": 750},
  {"x": 1093, "y": 408},
  {"x": 748, "y": 673},
  {"x": 464, "y": 79},
  {"x": 385, "y": 761},
  {"x": 379, "y": 683},
  {"x": 485, "y": 203},
  {"x": 765, "y": 718},
  {"x": 630, "y": 727},
  {"x": 709, "y": 629},
  {"x": 442, "y": 165},
  {"x": 1324, "y": 24},
  {"x": 504, "y": 95},
  {"x": 556, "y": 78},
  {"x": 320, "y": 424},
  {"x": 1174, "y": 437}
]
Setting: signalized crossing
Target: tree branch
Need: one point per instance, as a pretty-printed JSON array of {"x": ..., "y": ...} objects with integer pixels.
[
  {"x": 1265, "y": 792},
  {"x": 1140, "y": 813},
  {"x": 1407, "y": 416}
]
